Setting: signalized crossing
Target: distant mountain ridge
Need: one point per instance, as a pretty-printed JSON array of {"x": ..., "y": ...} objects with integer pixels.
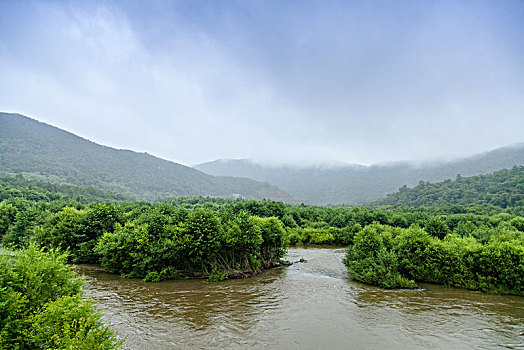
[
  {"x": 358, "y": 184},
  {"x": 44, "y": 152}
]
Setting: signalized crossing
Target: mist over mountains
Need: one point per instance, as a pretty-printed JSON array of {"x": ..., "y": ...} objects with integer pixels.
[
  {"x": 358, "y": 184},
  {"x": 44, "y": 152}
]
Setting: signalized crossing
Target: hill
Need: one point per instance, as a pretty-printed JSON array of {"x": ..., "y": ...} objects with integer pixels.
[
  {"x": 44, "y": 152},
  {"x": 357, "y": 184},
  {"x": 503, "y": 188}
]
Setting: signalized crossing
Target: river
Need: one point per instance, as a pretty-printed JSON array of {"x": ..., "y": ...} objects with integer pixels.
[{"x": 309, "y": 305}]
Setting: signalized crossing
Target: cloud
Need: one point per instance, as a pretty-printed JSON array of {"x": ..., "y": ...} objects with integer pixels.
[{"x": 274, "y": 81}]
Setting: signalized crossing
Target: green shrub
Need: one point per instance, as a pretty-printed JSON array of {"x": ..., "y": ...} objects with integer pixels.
[
  {"x": 41, "y": 305},
  {"x": 70, "y": 323},
  {"x": 412, "y": 247},
  {"x": 321, "y": 237},
  {"x": 78, "y": 230},
  {"x": 293, "y": 237},
  {"x": 345, "y": 235},
  {"x": 371, "y": 259},
  {"x": 274, "y": 244},
  {"x": 217, "y": 276},
  {"x": 390, "y": 258}
]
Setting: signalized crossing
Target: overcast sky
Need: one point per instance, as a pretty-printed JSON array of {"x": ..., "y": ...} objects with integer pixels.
[{"x": 192, "y": 81}]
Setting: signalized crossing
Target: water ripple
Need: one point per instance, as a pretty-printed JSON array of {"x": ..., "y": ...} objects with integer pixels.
[{"x": 307, "y": 305}]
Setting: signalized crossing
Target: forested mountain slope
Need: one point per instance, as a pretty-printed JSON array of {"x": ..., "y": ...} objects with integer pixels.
[
  {"x": 357, "y": 184},
  {"x": 503, "y": 188},
  {"x": 18, "y": 187},
  {"x": 48, "y": 153}
]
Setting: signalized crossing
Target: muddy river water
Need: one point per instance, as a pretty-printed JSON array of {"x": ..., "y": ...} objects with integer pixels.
[{"x": 310, "y": 305}]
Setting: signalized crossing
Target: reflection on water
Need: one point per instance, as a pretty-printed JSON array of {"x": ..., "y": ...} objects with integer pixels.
[{"x": 310, "y": 305}]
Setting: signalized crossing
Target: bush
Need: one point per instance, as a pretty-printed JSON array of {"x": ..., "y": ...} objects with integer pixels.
[
  {"x": 41, "y": 305},
  {"x": 293, "y": 237},
  {"x": 78, "y": 230},
  {"x": 412, "y": 247},
  {"x": 273, "y": 245},
  {"x": 70, "y": 323},
  {"x": 391, "y": 257},
  {"x": 321, "y": 237},
  {"x": 372, "y": 260}
]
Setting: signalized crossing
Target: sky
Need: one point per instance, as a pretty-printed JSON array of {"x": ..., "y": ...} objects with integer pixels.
[{"x": 275, "y": 81}]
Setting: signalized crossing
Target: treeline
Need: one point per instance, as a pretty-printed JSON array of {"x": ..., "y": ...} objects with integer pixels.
[
  {"x": 18, "y": 186},
  {"x": 338, "y": 225},
  {"x": 140, "y": 239},
  {"x": 475, "y": 247},
  {"x": 154, "y": 242},
  {"x": 22, "y": 219},
  {"x": 217, "y": 238},
  {"x": 504, "y": 188}
]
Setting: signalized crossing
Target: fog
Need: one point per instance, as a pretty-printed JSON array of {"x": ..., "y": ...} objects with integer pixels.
[{"x": 299, "y": 81}]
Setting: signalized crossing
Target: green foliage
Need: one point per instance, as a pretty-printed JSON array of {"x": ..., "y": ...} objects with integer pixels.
[
  {"x": 166, "y": 273},
  {"x": 504, "y": 188},
  {"x": 273, "y": 242},
  {"x": 518, "y": 223},
  {"x": 78, "y": 230},
  {"x": 398, "y": 220},
  {"x": 289, "y": 221},
  {"x": 322, "y": 236},
  {"x": 7, "y": 216},
  {"x": 390, "y": 257},
  {"x": 129, "y": 251},
  {"x": 217, "y": 276},
  {"x": 163, "y": 242},
  {"x": 38, "y": 276},
  {"x": 203, "y": 237},
  {"x": 21, "y": 228},
  {"x": 201, "y": 233},
  {"x": 242, "y": 242},
  {"x": 372, "y": 260},
  {"x": 436, "y": 227},
  {"x": 411, "y": 248},
  {"x": 13, "y": 317},
  {"x": 41, "y": 304},
  {"x": 293, "y": 237},
  {"x": 500, "y": 267},
  {"x": 20, "y": 187},
  {"x": 70, "y": 323}
]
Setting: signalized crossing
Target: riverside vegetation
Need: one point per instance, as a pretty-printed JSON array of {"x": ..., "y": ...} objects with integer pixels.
[
  {"x": 479, "y": 247},
  {"x": 41, "y": 304}
]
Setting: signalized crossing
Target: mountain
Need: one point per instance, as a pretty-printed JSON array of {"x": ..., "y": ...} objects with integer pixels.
[
  {"x": 357, "y": 184},
  {"x": 44, "y": 152},
  {"x": 503, "y": 188}
]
